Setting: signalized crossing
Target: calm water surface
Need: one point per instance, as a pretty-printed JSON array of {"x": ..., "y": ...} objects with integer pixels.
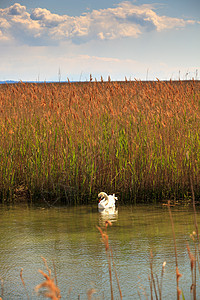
[{"x": 68, "y": 235}]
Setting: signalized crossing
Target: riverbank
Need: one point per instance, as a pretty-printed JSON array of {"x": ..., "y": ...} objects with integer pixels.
[{"x": 68, "y": 141}]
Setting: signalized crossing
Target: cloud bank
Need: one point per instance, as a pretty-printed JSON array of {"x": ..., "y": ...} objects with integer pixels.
[{"x": 41, "y": 27}]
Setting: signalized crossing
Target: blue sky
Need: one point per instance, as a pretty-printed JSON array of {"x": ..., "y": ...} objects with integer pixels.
[{"x": 51, "y": 40}]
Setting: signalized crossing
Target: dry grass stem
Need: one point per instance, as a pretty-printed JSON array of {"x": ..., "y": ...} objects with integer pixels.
[
  {"x": 193, "y": 270},
  {"x": 109, "y": 255},
  {"x": 90, "y": 293},
  {"x": 24, "y": 283},
  {"x": 143, "y": 289},
  {"x": 48, "y": 287},
  {"x": 2, "y": 287},
  {"x": 161, "y": 280},
  {"x": 116, "y": 276},
  {"x": 152, "y": 280},
  {"x": 178, "y": 275}
]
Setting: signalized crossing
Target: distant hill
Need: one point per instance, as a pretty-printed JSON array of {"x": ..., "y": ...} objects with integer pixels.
[
  {"x": 63, "y": 82},
  {"x": 34, "y": 81},
  {"x": 8, "y": 81}
]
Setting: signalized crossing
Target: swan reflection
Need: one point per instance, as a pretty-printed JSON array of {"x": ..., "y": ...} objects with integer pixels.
[{"x": 109, "y": 214}]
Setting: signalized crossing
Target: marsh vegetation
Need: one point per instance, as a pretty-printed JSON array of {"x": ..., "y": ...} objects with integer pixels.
[{"x": 68, "y": 141}]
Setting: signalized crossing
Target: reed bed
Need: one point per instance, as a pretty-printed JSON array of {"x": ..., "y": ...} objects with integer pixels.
[{"x": 68, "y": 141}]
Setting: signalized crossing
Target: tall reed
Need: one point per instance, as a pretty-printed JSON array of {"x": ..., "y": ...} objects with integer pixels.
[
  {"x": 66, "y": 141},
  {"x": 110, "y": 259}
]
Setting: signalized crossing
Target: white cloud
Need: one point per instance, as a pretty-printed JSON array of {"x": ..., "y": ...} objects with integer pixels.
[
  {"x": 41, "y": 27},
  {"x": 16, "y": 10},
  {"x": 46, "y": 17}
]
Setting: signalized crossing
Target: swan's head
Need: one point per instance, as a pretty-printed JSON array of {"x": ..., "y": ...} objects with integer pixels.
[{"x": 102, "y": 196}]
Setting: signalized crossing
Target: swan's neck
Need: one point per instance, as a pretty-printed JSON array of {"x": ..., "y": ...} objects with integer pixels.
[{"x": 106, "y": 197}]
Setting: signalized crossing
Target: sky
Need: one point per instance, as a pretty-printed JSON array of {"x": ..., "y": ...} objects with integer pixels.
[{"x": 50, "y": 40}]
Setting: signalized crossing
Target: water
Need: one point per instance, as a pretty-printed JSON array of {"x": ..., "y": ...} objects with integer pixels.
[{"x": 69, "y": 237}]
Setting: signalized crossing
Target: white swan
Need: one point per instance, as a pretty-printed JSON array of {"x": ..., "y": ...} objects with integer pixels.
[{"x": 106, "y": 201}]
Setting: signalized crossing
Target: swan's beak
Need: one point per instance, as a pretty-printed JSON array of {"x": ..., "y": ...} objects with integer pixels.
[{"x": 100, "y": 198}]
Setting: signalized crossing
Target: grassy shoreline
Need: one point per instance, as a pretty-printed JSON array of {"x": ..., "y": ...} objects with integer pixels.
[{"x": 68, "y": 141}]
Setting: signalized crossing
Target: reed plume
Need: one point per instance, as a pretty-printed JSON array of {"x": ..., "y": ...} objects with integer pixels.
[{"x": 49, "y": 288}]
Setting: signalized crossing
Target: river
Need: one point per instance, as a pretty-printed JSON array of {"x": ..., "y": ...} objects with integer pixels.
[{"x": 68, "y": 238}]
